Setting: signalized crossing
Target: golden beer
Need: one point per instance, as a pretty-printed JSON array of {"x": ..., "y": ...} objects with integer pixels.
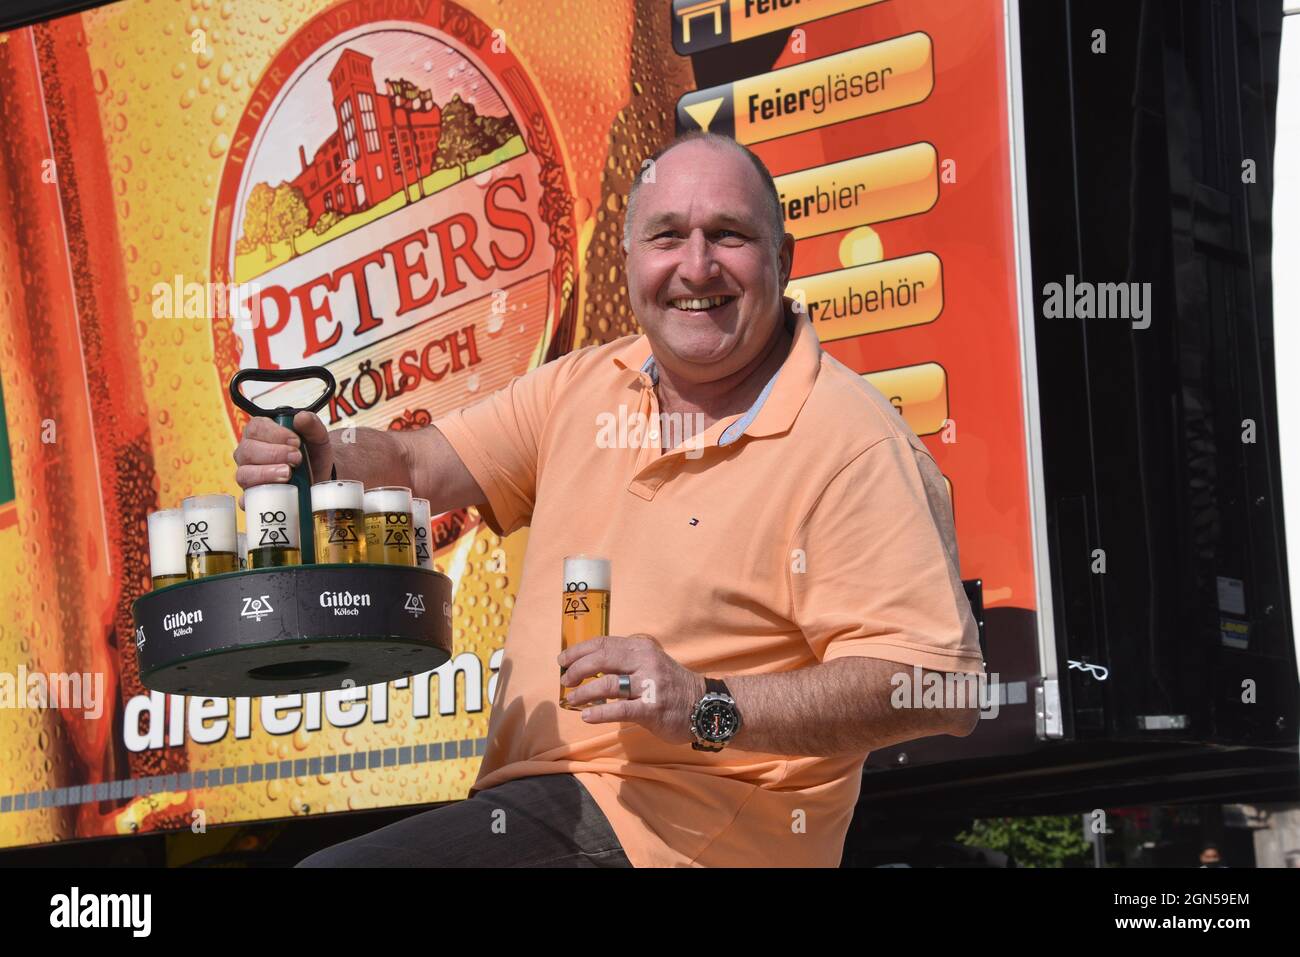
[
  {"x": 585, "y": 612},
  {"x": 167, "y": 548},
  {"x": 268, "y": 557},
  {"x": 273, "y": 531},
  {"x": 241, "y": 547},
  {"x": 203, "y": 564},
  {"x": 338, "y": 517},
  {"x": 389, "y": 538},
  {"x": 211, "y": 539}
]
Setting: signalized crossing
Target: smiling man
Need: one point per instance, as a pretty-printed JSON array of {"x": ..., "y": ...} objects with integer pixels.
[{"x": 777, "y": 570}]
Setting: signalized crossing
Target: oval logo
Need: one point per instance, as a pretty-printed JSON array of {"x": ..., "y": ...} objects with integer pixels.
[{"x": 394, "y": 206}]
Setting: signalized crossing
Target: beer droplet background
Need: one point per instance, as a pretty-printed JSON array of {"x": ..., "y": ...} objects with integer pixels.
[{"x": 167, "y": 113}]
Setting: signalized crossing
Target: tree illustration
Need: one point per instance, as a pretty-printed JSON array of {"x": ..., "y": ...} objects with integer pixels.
[
  {"x": 498, "y": 129},
  {"x": 325, "y": 221},
  {"x": 257, "y": 225},
  {"x": 462, "y": 137},
  {"x": 289, "y": 214}
]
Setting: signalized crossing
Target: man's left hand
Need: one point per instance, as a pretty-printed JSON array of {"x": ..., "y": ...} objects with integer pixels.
[{"x": 663, "y": 693}]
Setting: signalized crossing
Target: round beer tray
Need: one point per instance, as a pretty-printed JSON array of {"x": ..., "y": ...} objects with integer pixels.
[{"x": 294, "y": 628}]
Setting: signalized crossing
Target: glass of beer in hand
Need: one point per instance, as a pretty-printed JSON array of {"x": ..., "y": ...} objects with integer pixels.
[{"x": 586, "y": 610}]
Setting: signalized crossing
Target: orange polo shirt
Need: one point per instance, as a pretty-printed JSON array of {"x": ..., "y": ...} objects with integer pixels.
[{"x": 814, "y": 526}]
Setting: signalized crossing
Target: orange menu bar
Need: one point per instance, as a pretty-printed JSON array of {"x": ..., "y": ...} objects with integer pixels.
[
  {"x": 832, "y": 89},
  {"x": 703, "y": 24}
]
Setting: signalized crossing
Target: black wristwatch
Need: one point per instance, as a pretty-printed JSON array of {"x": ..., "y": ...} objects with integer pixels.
[{"x": 715, "y": 719}]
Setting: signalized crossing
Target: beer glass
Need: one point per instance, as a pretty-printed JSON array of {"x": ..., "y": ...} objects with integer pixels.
[
  {"x": 272, "y": 517},
  {"x": 167, "y": 548},
  {"x": 586, "y": 609},
  {"x": 420, "y": 523},
  {"x": 211, "y": 539},
  {"x": 338, "y": 516},
  {"x": 241, "y": 547},
  {"x": 388, "y": 525}
]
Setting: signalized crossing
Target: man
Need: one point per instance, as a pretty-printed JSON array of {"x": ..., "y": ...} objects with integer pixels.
[{"x": 783, "y": 535}]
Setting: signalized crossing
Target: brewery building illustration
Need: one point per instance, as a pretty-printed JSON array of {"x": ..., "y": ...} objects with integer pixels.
[
  {"x": 390, "y": 138},
  {"x": 382, "y": 143}
]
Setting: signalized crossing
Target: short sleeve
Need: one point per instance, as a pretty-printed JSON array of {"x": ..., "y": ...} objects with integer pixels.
[
  {"x": 499, "y": 439},
  {"x": 878, "y": 574}
]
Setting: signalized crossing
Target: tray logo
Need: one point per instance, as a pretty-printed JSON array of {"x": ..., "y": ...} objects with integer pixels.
[
  {"x": 344, "y": 603},
  {"x": 139, "y": 638},
  {"x": 414, "y": 604},
  {"x": 178, "y": 623},
  {"x": 256, "y": 608}
]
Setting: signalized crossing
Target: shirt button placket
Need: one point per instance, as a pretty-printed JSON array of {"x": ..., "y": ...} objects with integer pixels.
[{"x": 646, "y": 453}]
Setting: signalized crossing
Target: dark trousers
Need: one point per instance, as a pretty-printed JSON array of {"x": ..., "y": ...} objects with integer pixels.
[{"x": 544, "y": 821}]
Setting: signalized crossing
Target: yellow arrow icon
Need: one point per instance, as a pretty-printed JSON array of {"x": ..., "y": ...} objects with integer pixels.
[{"x": 704, "y": 111}]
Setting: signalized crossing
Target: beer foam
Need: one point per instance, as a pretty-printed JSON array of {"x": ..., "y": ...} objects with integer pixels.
[
  {"x": 340, "y": 494},
  {"x": 167, "y": 542},
  {"x": 218, "y": 512},
  {"x": 272, "y": 515},
  {"x": 587, "y": 568},
  {"x": 276, "y": 495},
  {"x": 388, "y": 499}
]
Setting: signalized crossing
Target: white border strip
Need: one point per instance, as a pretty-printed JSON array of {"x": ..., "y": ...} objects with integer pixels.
[
  {"x": 1286, "y": 292},
  {"x": 1047, "y": 659}
]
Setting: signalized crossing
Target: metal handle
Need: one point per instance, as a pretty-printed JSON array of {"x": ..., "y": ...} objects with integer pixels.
[{"x": 301, "y": 476}]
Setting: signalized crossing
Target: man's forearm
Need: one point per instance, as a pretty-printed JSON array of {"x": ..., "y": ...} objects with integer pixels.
[
  {"x": 841, "y": 706},
  {"x": 420, "y": 459},
  {"x": 371, "y": 456}
]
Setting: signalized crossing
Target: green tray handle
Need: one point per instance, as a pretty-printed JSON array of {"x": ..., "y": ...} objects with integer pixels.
[{"x": 301, "y": 476}]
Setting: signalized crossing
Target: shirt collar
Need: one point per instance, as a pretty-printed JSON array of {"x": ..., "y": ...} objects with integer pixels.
[{"x": 777, "y": 406}]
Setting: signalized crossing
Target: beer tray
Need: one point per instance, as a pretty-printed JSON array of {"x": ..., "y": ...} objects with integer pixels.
[{"x": 293, "y": 628}]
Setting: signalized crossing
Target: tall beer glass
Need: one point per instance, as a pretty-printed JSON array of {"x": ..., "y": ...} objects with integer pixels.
[
  {"x": 339, "y": 517},
  {"x": 167, "y": 547},
  {"x": 271, "y": 512},
  {"x": 423, "y": 540},
  {"x": 586, "y": 609},
  {"x": 211, "y": 541},
  {"x": 388, "y": 525}
]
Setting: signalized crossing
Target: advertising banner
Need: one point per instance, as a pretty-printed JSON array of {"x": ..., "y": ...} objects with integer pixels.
[{"x": 426, "y": 197}]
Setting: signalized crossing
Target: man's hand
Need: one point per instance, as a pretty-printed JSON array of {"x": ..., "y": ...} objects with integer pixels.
[
  {"x": 663, "y": 693},
  {"x": 267, "y": 452}
]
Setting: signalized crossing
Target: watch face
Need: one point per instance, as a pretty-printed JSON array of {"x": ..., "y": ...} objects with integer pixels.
[{"x": 717, "y": 721}]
